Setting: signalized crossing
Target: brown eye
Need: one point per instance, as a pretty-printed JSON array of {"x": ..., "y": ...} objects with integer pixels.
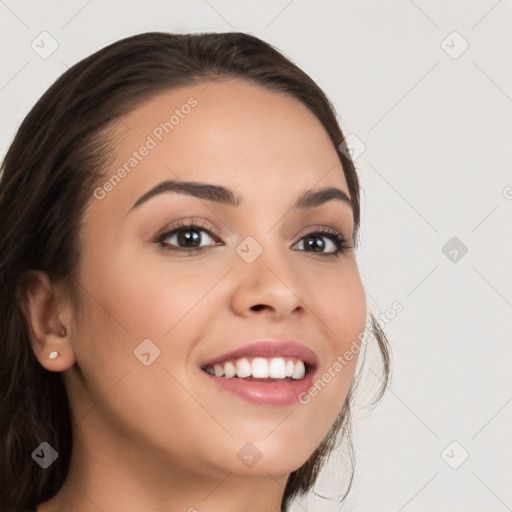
[
  {"x": 315, "y": 242},
  {"x": 187, "y": 237}
]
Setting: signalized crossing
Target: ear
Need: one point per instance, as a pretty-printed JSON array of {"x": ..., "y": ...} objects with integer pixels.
[{"x": 48, "y": 318}]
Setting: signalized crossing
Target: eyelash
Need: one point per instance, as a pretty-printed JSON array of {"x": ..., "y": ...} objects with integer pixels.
[{"x": 341, "y": 243}]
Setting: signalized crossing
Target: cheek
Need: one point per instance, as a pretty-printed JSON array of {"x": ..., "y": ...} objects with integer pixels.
[
  {"x": 129, "y": 301},
  {"x": 126, "y": 302},
  {"x": 348, "y": 314},
  {"x": 338, "y": 300},
  {"x": 339, "y": 303},
  {"x": 144, "y": 300}
]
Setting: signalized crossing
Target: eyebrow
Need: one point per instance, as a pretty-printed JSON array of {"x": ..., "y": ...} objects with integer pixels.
[{"x": 223, "y": 195}]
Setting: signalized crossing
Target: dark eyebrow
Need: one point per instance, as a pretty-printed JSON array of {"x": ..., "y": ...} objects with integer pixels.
[
  {"x": 313, "y": 198},
  {"x": 222, "y": 195}
]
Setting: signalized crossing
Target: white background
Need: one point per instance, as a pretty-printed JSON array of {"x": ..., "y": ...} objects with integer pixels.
[{"x": 437, "y": 132}]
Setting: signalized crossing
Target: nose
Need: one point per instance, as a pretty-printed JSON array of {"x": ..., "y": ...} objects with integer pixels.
[{"x": 268, "y": 286}]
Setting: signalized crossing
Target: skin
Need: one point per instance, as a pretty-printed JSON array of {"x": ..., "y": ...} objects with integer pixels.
[{"x": 159, "y": 437}]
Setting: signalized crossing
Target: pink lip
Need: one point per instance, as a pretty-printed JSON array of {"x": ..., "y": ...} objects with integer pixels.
[{"x": 268, "y": 349}]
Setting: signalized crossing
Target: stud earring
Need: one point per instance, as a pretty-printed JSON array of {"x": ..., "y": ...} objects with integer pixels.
[{"x": 53, "y": 355}]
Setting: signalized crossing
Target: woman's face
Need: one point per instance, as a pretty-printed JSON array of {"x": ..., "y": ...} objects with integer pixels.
[{"x": 153, "y": 314}]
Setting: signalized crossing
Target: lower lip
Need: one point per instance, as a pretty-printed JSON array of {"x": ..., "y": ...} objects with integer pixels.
[{"x": 265, "y": 393}]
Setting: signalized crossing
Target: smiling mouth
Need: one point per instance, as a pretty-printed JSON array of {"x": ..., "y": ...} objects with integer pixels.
[{"x": 260, "y": 369}]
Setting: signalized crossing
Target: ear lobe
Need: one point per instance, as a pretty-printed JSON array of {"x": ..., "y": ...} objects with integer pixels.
[{"x": 40, "y": 305}]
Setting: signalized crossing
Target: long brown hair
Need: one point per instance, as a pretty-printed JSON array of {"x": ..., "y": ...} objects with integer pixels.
[{"x": 48, "y": 174}]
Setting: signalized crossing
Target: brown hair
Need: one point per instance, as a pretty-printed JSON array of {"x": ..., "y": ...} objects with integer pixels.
[{"x": 48, "y": 175}]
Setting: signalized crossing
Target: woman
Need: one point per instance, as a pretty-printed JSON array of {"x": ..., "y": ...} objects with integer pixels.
[{"x": 181, "y": 305}]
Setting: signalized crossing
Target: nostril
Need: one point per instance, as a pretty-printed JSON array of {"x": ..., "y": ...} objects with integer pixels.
[{"x": 258, "y": 307}]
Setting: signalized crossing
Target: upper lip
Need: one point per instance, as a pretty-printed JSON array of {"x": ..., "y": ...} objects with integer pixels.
[{"x": 268, "y": 348}]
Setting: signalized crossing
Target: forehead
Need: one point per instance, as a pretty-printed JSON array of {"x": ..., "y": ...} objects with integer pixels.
[{"x": 231, "y": 133}]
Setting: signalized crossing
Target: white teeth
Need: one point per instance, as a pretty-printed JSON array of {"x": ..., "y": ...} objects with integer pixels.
[
  {"x": 243, "y": 368},
  {"x": 219, "y": 370},
  {"x": 229, "y": 369},
  {"x": 277, "y": 369},
  {"x": 260, "y": 368},
  {"x": 299, "y": 370},
  {"x": 289, "y": 368}
]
